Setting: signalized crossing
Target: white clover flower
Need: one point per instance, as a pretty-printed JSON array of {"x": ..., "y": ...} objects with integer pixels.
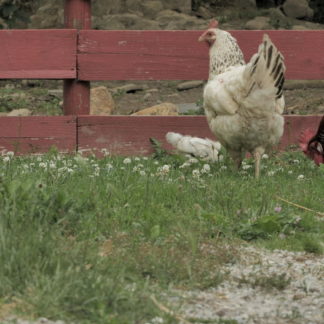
[
  {"x": 192, "y": 160},
  {"x": 290, "y": 172},
  {"x": 220, "y": 158},
  {"x": 39, "y": 159},
  {"x": 205, "y": 168},
  {"x": 61, "y": 170},
  {"x": 184, "y": 165},
  {"x": 6, "y": 159},
  {"x": 25, "y": 166},
  {"x": 301, "y": 177},
  {"x": 265, "y": 156},
  {"x": 137, "y": 158},
  {"x": 163, "y": 170},
  {"x": 223, "y": 167},
  {"x": 145, "y": 158},
  {"x": 246, "y": 166},
  {"x": 10, "y": 153},
  {"x": 104, "y": 151},
  {"x": 127, "y": 161},
  {"x": 296, "y": 161},
  {"x": 156, "y": 162},
  {"x": 109, "y": 166},
  {"x": 142, "y": 173},
  {"x": 69, "y": 170},
  {"x": 271, "y": 173},
  {"x": 243, "y": 163},
  {"x": 52, "y": 165},
  {"x": 42, "y": 165},
  {"x": 157, "y": 320},
  {"x": 195, "y": 173},
  {"x": 122, "y": 168}
]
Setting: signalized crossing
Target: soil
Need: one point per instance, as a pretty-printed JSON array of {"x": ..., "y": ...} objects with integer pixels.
[
  {"x": 302, "y": 98},
  {"x": 303, "y": 101}
]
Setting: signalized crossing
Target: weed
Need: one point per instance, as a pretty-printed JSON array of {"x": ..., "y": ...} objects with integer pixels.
[{"x": 88, "y": 240}]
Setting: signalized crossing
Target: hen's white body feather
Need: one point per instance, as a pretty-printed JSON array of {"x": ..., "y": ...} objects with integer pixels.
[
  {"x": 244, "y": 104},
  {"x": 199, "y": 147}
]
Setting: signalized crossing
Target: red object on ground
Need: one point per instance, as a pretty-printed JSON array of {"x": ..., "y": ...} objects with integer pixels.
[{"x": 312, "y": 143}]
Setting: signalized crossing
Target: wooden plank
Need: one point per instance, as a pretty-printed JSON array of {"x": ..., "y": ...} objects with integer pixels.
[
  {"x": 123, "y": 135},
  {"x": 37, "y": 134},
  {"x": 177, "y": 55},
  {"x": 38, "y": 54}
]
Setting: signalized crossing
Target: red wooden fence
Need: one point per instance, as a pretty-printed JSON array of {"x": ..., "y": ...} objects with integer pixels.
[{"x": 80, "y": 55}]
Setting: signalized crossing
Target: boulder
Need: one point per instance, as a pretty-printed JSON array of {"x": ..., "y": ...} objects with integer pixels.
[
  {"x": 163, "y": 109},
  {"x": 259, "y": 23},
  {"x": 20, "y": 112},
  {"x": 101, "y": 101},
  {"x": 297, "y": 9}
]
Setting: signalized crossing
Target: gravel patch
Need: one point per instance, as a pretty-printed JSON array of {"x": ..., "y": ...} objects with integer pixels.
[{"x": 263, "y": 287}]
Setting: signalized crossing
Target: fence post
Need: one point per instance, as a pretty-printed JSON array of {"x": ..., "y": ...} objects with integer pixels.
[{"x": 77, "y": 15}]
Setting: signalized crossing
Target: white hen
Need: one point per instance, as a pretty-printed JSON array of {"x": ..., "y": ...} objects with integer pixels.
[
  {"x": 243, "y": 102},
  {"x": 202, "y": 148}
]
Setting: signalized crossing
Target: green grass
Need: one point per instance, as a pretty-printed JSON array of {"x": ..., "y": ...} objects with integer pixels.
[
  {"x": 37, "y": 100},
  {"x": 90, "y": 240}
]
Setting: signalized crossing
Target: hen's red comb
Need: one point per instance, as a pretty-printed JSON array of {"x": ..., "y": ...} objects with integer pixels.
[{"x": 213, "y": 24}]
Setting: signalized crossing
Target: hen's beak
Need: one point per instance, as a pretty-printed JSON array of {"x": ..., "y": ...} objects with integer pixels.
[{"x": 201, "y": 38}]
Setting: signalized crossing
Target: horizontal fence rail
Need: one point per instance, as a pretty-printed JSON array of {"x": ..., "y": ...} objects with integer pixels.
[
  {"x": 38, "y": 54},
  {"x": 177, "y": 55},
  {"x": 121, "y": 135},
  {"x": 37, "y": 134},
  {"x": 90, "y": 55}
]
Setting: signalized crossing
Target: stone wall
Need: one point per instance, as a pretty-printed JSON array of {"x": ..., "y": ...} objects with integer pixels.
[{"x": 184, "y": 14}]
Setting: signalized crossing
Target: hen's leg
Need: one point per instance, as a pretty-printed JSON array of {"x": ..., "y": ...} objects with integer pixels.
[
  {"x": 257, "y": 154},
  {"x": 237, "y": 157}
]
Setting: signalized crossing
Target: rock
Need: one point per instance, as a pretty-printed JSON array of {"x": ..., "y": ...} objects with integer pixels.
[
  {"x": 189, "y": 85},
  {"x": 147, "y": 96},
  {"x": 188, "y": 107},
  {"x": 56, "y": 93},
  {"x": 299, "y": 27},
  {"x": 101, "y": 101},
  {"x": 259, "y": 23},
  {"x": 297, "y": 9},
  {"x": 179, "y": 5},
  {"x": 48, "y": 16},
  {"x": 20, "y": 112},
  {"x": 152, "y": 90},
  {"x": 172, "y": 20},
  {"x": 151, "y": 8},
  {"x": 125, "y": 21},
  {"x": 128, "y": 88},
  {"x": 204, "y": 12},
  {"x": 245, "y": 4},
  {"x": 102, "y": 7},
  {"x": 163, "y": 109}
]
